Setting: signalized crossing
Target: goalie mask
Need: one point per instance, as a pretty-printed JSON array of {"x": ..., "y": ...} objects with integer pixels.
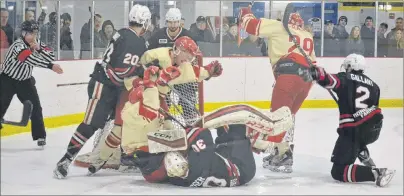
[
  {"x": 185, "y": 49},
  {"x": 176, "y": 164}
]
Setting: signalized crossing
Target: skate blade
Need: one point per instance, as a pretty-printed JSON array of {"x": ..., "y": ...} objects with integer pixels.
[
  {"x": 279, "y": 169},
  {"x": 386, "y": 180},
  {"x": 58, "y": 175}
]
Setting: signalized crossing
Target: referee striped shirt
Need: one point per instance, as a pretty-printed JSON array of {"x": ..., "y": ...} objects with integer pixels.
[{"x": 20, "y": 60}]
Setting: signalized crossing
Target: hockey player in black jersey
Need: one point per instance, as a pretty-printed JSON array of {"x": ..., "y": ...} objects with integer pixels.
[
  {"x": 165, "y": 37},
  {"x": 221, "y": 158},
  {"x": 120, "y": 60},
  {"x": 360, "y": 122}
]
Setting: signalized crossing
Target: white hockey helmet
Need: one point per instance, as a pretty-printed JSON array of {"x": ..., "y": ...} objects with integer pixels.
[
  {"x": 354, "y": 62},
  {"x": 141, "y": 15},
  {"x": 176, "y": 164},
  {"x": 173, "y": 14}
]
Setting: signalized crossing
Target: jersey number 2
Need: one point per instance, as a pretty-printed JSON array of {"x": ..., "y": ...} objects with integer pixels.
[
  {"x": 359, "y": 100},
  {"x": 130, "y": 59},
  {"x": 307, "y": 44}
]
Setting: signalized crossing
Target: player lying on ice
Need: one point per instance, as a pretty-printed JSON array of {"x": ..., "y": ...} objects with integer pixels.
[
  {"x": 218, "y": 155},
  {"x": 138, "y": 111},
  {"x": 360, "y": 124}
]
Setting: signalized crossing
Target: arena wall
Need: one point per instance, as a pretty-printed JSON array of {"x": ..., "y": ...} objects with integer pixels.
[{"x": 244, "y": 80}]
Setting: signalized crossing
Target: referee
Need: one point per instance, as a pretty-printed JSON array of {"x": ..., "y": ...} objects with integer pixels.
[{"x": 16, "y": 76}]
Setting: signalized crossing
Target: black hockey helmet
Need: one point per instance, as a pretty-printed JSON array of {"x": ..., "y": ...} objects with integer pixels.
[{"x": 29, "y": 26}]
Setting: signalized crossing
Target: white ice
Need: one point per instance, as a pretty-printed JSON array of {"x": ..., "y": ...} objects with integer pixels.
[{"x": 27, "y": 170}]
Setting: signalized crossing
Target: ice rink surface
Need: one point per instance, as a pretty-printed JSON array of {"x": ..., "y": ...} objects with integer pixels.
[{"x": 27, "y": 170}]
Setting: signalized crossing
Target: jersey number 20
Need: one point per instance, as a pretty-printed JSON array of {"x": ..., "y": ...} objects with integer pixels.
[
  {"x": 130, "y": 59},
  {"x": 359, "y": 100},
  {"x": 307, "y": 44}
]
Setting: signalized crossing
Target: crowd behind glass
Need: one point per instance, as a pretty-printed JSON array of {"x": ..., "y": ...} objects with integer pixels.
[{"x": 338, "y": 39}]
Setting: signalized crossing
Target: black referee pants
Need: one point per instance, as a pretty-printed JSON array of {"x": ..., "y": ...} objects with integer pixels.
[{"x": 25, "y": 90}]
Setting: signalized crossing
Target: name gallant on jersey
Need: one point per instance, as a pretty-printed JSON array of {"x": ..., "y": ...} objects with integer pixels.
[{"x": 361, "y": 79}]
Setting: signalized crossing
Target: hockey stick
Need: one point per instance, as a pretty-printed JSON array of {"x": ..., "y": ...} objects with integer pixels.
[
  {"x": 26, "y": 115},
  {"x": 288, "y": 11},
  {"x": 71, "y": 84}
]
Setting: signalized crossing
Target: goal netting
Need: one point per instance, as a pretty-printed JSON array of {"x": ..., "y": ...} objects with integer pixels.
[{"x": 185, "y": 105}]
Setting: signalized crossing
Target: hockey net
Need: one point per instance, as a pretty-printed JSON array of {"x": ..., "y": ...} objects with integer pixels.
[{"x": 185, "y": 105}]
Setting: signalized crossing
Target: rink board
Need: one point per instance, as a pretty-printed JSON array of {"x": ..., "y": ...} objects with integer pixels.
[{"x": 245, "y": 80}]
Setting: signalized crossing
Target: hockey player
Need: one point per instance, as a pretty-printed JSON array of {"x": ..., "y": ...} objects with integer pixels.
[
  {"x": 360, "y": 121},
  {"x": 140, "y": 111},
  {"x": 290, "y": 69},
  {"x": 120, "y": 60},
  {"x": 165, "y": 37}
]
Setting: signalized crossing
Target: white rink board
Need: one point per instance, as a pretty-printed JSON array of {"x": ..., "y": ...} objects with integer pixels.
[{"x": 243, "y": 79}]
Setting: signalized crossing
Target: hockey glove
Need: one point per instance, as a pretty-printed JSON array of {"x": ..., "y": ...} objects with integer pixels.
[
  {"x": 150, "y": 76},
  {"x": 136, "y": 94},
  {"x": 168, "y": 74},
  {"x": 214, "y": 69},
  {"x": 317, "y": 73}
]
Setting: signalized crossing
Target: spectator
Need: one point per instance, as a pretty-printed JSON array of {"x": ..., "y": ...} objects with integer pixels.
[
  {"x": 107, "y": 31},
  {"x": 200, "y": 32},
  {"x": 85, "y": 38},
  {"x": 382, "y": 42},
  {"x": 331, "y": 41},
  {"x": 5, "y": 26},
  {"x": 231, "y": 34},
  {"x": 396, "y": 46},
  {"x": 28, "y": 16},
  {"x": 153, "y": 27},
  {"x": 354, "y": 43},
  {"x": 253, "y": 46},
  {"x": 340, "y": 28},
  {"x": 66, "y": 41},
  {"x": 3, "y": 46},
  {"x": 399, "y": 26},
  {"x": 48, "y": 32},
  {"x": 368, "y": 37}
]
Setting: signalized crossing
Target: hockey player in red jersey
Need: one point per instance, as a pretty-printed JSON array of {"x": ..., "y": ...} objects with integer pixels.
[{"x": 290, "y": 69}]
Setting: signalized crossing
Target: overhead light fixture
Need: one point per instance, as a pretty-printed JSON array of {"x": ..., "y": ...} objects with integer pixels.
[
  {"x": 44, "y": 7},
  {"x": 170, "y": 2},
  {"x": 11, "y": 7}
]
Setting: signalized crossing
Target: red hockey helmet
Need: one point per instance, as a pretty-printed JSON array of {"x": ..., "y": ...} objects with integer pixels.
[
  {"x": 296, "y": 19},
  {"x": 188, "y": 45}
]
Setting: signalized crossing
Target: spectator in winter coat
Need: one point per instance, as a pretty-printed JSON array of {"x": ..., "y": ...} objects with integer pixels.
[
  {"x": 396, "y": 46},
  {"x": 331, "y": 41},
  {"x": 66, "y": 41},
  {"x": 5, "y": 26},
  {"x": 399, "y": 26},
  {"x": 48, "y": 32},
  {"x": 368, "y": 37},
  {"x": 3, "y": 46},
  {"x": 382, "y": 42},
  {"x": 253, "y": 46},
  {"x": 85, "y": 38},
  {"x": 107, "y": 31},
  {"x": 354, "y": 43},
  {"x": 340, "y": 30},
  {"x": 200, "y": 32}
]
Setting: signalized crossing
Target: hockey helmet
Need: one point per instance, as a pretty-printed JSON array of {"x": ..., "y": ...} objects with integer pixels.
[
  {"x": 296, "y": 19},
  {"x": 353, "y": 62},
  {"x": 173, "y": 14},
  {"x": 176, "y": 164},
  {"x": 141, "y": 15},
  {"x": 29, "y": 26},
  {"x": 188, "y": 45}
]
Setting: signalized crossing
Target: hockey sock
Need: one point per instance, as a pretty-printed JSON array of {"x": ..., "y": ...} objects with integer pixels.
[
  {"x": 78, "y": 140},
  {"x": 112, "y": 142},
  {"x": 352, "y": 173}
]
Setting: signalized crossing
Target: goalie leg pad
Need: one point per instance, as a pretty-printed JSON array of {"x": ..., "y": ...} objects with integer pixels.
[
  {"x": 167, "y": 140},
  {"x": 111, "y": 143}
]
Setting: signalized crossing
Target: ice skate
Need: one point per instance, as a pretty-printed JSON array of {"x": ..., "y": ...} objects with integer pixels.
[
  {"x": 383, "y": 176},
  {"x": 279, "y": 162},
  {"x": 41, "y": 142},
  {"x": 62, "y": 168}
]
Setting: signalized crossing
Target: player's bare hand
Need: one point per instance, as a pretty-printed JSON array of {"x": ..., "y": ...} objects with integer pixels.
[
  {"x": 214, "y": 69},
  {"x": 168, "y": 74},
  {"x": 56, "y": 68}
]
